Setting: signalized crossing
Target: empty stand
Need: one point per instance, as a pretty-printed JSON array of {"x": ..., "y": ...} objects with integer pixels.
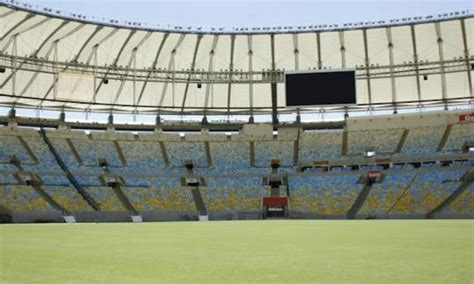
[
  {"x": 467, "y": 180},
  {"x": 235, "y": 172}
]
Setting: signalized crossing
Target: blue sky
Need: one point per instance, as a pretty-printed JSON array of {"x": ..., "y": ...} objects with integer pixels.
[{"x": 231, "y": 13}]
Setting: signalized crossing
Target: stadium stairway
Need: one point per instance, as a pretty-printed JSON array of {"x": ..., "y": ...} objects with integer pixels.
[
  {"x": 50, "y": 200},
  {"x": 28, "y": 150},
  {"x": 445, "y": 137},
  {"x": 5, "y": 214},
  {"x": 208, "y": 153},
  {"x": 120, "y": 153},
  {"x": 123, "y": 199},
  {"x": 117, "y": 189},
  {"x": 405, "y": 191},
  {"x": 35, "y": 184},
  {"x": 74, "y": 151},
  {"x": 345, "y": 138},
  {"x": 467, "y": 179},
  {"x": 164, "y": 154},
  {"x": 252, "y": 153},
  {"x": 82, "y": 192},
  {"x": 359, "y": 202},
  {"x": 402, "y": 141},
  {"x": 198, "y": 201},
  {"x": 296, "y": 150}
]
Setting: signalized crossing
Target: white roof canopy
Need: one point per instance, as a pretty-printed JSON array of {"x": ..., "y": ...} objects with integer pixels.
[{"x": 65, "y": 63}]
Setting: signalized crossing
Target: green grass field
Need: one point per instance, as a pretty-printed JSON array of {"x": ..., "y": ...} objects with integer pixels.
[{"x": 395, "y": 251}]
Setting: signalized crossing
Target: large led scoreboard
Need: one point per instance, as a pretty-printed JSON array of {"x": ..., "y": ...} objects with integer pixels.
[{"x": 320, "y": 88}]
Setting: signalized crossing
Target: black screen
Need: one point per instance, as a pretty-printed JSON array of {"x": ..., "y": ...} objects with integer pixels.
[{"x": 320, "y": 88}]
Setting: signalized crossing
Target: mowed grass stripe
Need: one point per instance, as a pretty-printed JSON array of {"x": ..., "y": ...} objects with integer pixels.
[{"x": 291, "y": 251}]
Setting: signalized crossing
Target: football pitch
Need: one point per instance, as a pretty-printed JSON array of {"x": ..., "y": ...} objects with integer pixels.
[{"x": 288, "y": 251}]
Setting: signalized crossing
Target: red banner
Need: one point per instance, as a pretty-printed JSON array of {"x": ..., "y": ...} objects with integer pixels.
[
  {"x": 275, "y": 201},
  {"x": 466, "y": 117}
]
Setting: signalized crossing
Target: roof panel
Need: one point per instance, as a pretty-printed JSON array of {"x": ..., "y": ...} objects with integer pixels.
[
  {"x": 355, "y": 52},
  {"x": 431, "y": 88},
  {"x": 308, "y": 51},
  {"x": 222, "y": 53},
  {"x": 204, "y": 51},
  {"x": 402, "y": 45},
  {"x": 451, "y": 34},
  {"x": 457, "y": 85},
  {"x": 111, "y": 50},
  {"x": 262, "y": 95},
  {"x": 381, "y": 90},
  {"x": 284, "y": 52},
  {"x": 330, "y": 50},
  {"x": 262, "y": 54},
  {"x": 426, "y": 42},
  {"x": 185, "y": 53},
  {"x": 147, "y": 51},
  {"x": 241, "y": 53},
  {"x": 406, "y": 89},
  {"x": 469, "y": 24},
  {"x": 165, "y": 56},
  {"x": 378, "y": 47}
]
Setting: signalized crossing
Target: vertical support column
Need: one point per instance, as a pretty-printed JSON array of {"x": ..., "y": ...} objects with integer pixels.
[
  {"x": 250, "y": 55},
  {"x": 392, "y": 75},
  {"x": 153, "y": 67},
  {"x": 466, "y": 55},
  {"x": 13, "y": 64},
  {"x": 415, "y": 62},
  {"x": 171, "y": 67},
  {"x": 55, "y": 69},
  {"x": 191, "y": 72},
  {"x": 441, "y": 62},
  {"x": 231, "y": 68},
  {"x": 318, "y": 43},
  {"x": 274, "y": 84},
  {"x": 296, "y": 51},
  {"x": 367, "y": 65},
  {"x": 343, "y": 49},
  {"x": 210, "y": 69}
]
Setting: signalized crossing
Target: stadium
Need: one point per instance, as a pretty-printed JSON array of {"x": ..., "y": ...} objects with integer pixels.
[{"x": 266, "y": 154}]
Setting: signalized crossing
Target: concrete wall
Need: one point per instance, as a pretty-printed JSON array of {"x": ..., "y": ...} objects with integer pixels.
[{"x": 163, "y": 216}]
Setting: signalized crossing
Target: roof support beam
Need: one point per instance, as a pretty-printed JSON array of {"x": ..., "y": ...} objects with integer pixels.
[
  {"x": 231, "y": 69},
  {"x": 35, "y": 53},
  {"x": 130, "y": 61},
  {"x": 466, "y": 55},
  {"x": 8, "y": 13},
  {"x": 53, "y": 47},
  {"x": 296, "y": 51},
  {"x": 318, "y": 43},
  {"x": 171, "y": 68},
  {"x": 193, "y": 66},
  {"x": 14, "y": 52},
  {"x": 250, "y": 54},
  {"x": 114, "y": 63},
  {"x": 392, "y": 75},
  {"x": 210, "y": 68},
  {"x": 91, "y": 36},
  {"x": 38, "y": 70},
  {"x": 24, "y": 20},
  {"x": 415, "y": 61},
  {"x": 367, "y": 65},
  {"x": 441, "y": 59},
  {"x": 273, "y": 84},
  {"x": 97, "y": 29},
  {"x": 153, "y": 67},
  {"x": 343, "y": 49}
]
